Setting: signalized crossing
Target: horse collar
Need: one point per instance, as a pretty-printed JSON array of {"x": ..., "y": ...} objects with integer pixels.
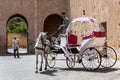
[{"x": 40, "y": 48}]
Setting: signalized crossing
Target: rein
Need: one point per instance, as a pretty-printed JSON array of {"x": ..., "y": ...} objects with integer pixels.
[{"x": 54, "y": 32}]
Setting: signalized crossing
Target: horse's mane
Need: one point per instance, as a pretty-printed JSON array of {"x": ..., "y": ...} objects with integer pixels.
[{"x": 41, "y": 35}]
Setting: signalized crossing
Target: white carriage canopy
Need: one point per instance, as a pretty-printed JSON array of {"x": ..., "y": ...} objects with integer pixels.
[
  {"x": 85, "y": 27},
  {"x": 82, "y": 24}
]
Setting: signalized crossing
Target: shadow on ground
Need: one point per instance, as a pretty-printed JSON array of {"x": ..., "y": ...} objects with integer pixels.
[
  {"x": 100, "y": 70},
  {"x": 49, "y": 72}
]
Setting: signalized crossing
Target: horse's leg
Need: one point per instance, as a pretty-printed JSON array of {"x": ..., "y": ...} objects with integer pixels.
[
  {"x": 45, "y": 57},
  {"x": 36, "y": 62},
  {"x": 41, "y": 62}
]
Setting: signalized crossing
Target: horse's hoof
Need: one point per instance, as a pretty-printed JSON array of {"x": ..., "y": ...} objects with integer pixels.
[
  {"x": 40, "y": 69},
  {"x": 36, "y": 71},
  {"x": 45, "y": 68}
]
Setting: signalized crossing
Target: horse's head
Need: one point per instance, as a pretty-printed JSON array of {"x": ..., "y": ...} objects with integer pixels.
[
  {"x": 43, "y": 35},
  {"x": 41, "y": 39}
]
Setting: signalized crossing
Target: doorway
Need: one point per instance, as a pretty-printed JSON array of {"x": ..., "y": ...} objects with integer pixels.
[
  {"x": 17, "y": 27},
  {"x": 51, "y": 23}
]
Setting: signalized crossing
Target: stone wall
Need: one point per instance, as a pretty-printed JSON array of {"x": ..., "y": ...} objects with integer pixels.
[
  {"x": 46, "y": 8},
  {"x": 107, "y": 11},
  {"x": 11, "y": 7},
  {"x": 34, "y": 11}
]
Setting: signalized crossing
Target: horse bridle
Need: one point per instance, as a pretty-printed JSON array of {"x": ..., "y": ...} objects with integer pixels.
[{"x": 43, "y": 45}]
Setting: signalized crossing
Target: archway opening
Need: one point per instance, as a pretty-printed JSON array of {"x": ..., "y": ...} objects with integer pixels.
[
  {"x": 17, "y": 27},
  {"x": 51, "y": 23}
]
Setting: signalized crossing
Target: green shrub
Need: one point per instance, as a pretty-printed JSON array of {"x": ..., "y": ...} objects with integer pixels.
[{"x": 17, "y": 26}]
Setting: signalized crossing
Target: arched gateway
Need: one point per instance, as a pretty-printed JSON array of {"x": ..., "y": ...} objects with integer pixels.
[
  {"x": 17, "y": 26},
  {"x": 52, "y": 22}
]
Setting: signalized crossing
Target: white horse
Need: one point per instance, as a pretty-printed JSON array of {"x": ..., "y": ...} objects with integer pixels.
[{"x": 41, "y": 48}]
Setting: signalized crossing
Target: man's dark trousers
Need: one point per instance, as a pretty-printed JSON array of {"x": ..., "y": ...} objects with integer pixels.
[{"x": 16, "y": 53}]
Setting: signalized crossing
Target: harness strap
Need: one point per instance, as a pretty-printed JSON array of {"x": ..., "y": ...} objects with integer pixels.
[{"x": 40, "y": 48}]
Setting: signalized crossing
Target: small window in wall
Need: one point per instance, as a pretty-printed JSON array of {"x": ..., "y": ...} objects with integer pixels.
[
  {"x": 105, "y": 27},
  {"x": 118, "y": 24},
  {"x": 83, "y": 12}
]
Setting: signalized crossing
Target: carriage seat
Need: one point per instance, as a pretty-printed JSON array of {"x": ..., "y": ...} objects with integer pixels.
[
  {"x": 99, "y": 34},
  {"x": 72, "y": 40},
  {"x": 95, "y": 34}
]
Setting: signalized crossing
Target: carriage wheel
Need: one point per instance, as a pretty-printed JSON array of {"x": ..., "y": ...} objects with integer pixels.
[
  {"x": 91, "y": 59},
  {"x": 69, "y": 63},
  {"x": 109, "y": 57},
  {"x": 51, "y": 59}
]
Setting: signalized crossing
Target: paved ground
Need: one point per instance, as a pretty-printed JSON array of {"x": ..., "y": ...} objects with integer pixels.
[
  {"x": 24, "y": 69},
  {"x": 21, "y": 50}
]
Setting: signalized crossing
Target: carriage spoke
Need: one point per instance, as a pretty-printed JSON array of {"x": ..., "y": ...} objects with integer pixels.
[
  {"x": 91, "y": 59},
  {"x": 110, "y": 57},
  {"x": 51, "y": 59}
]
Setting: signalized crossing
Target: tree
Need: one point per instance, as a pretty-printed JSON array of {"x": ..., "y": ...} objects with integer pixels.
[{"x": 17, "y": 25}]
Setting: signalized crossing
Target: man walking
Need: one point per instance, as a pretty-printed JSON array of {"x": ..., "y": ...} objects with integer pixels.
[{"x": 15, "y": 44}]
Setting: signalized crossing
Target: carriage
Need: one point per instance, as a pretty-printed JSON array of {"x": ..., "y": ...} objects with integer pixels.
[{"x": 85, "y": 42}]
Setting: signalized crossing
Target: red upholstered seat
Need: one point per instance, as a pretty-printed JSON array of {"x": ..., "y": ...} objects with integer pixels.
[
  {"x": 95, "y": 34},
  {"x": 72, "y": 40},
  {"x": 99, "y": 34}
]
